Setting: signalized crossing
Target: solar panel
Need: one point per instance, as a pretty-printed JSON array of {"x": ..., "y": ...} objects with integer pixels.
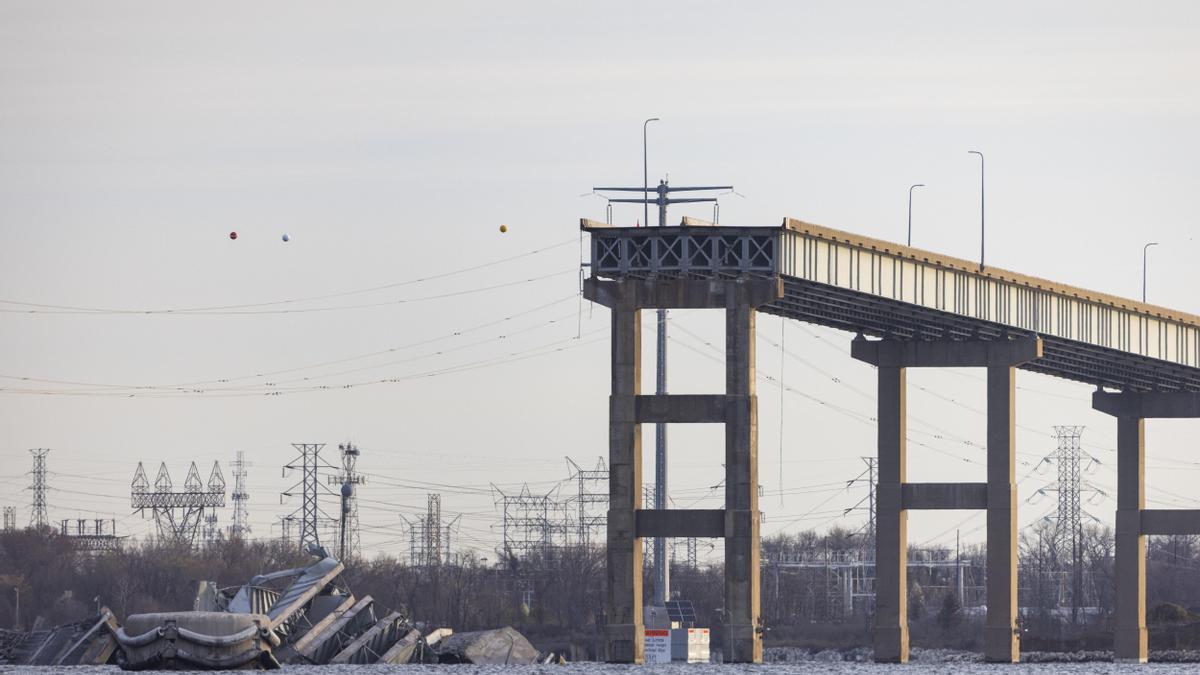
[{"x": 681, "y": 610}]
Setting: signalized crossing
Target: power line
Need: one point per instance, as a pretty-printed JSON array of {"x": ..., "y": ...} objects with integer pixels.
[{"x": 221, "y": 308}]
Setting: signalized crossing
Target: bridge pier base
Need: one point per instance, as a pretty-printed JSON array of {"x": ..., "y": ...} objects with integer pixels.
[
  {"x": 738, "y": 523},
  {"x": 895, "y": 495},
  {"x": 1134, "y": 520}
]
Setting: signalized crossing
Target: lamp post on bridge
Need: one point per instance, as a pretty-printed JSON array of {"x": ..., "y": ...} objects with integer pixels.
[
  {"x": 910, "y": 189},
  {"x": 1144, "y": 250},
  {"x": 646, "y": 175},
  {"x": 982, "y": 231}
]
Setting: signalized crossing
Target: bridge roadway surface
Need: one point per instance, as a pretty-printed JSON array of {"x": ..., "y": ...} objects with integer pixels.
[{"x": 887, "y": 290}]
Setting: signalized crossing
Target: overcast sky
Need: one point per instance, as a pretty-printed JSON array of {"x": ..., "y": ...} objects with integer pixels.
[{"x": 391, "y": 140}]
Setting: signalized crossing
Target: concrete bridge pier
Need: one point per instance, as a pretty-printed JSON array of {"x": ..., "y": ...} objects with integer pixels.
[
  {"x": 895, "y": 496},
  {"x": 737, "y": 409},
  {"x": 1134, "y": 520}
]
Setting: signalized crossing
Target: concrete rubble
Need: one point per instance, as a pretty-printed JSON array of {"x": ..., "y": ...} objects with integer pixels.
[{"x": 298, "y": 616}]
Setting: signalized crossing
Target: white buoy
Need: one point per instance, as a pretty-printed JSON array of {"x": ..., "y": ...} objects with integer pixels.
[{"x": 286, "y": 237}]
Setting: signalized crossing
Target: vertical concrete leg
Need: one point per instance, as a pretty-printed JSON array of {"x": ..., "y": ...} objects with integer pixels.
[
  {"x": 891, "y": 539},
  {"x": 1001, "y": 640},
  {"x": 624, "y": 632},
  {"x": 743, "y": 642},
  {"x": 1129, "y": 635}
]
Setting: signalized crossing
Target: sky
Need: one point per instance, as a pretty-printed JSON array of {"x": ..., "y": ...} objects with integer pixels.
[{"x": 390, "y": 141}]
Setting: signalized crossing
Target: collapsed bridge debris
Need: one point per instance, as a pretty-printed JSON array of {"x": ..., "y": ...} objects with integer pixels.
[{"x": 302, "y": 616}]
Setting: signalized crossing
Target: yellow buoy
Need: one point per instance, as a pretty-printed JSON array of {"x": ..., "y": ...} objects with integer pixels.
[{"x": 503, "y": 229}]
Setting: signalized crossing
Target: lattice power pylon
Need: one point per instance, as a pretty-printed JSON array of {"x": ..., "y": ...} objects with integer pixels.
[
  {"x": 429, "y": 535},
  {"x": 591, "y": 500},
  {"x": 178, "y": 515},
  {"x": 310, "y": 514},
  {"x": 870, "y": 478},
  {"x": 38, "y": 515},
  {"x": 240, "y": 527},
  {"x": 648, "y": 549},
  {"x": 349, "y": 479},
  {"x": 1068, "y": 518},
  {"x": 527, "y": 526},
  {"x": 10, "y": 518}
]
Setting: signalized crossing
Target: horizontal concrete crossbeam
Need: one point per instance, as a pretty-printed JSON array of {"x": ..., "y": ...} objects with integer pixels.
[
  {"x": 1151, "y": 404},
  {"x": 680, "y": 408},
  {"x": 680, "y": 523},
  {"x": 947, "y": 353},
  {"x": 1170, "y": 521},
  {"x": 935, "y": 496},
  {"x": 682, "y": 293}
]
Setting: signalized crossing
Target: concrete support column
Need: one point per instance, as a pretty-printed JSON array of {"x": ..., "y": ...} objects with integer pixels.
[
  {"x": 743, "y": 642},
  {"x": 1001, "y": 640},
  {"x": 624, "y": 632},
  {"x": 1129, "y": 635},
  {"x": 891, "y": 538}
]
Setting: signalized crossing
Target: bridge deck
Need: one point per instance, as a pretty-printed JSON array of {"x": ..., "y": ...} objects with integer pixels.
[{"x": 882, "y": 289}]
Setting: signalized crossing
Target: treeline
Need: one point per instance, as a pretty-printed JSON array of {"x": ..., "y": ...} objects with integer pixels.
[{"x": 563, "y": 590}]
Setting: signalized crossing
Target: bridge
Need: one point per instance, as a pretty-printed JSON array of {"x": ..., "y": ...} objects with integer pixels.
[{"x": 907, "y": 308}]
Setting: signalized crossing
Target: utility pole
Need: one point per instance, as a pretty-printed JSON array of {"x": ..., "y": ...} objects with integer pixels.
[
  {"x": 38, "y": 518},
  {"x": 958, "y": 569},
  {"x": 662, "y": 199}
]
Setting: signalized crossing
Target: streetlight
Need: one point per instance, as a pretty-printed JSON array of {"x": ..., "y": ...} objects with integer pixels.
[
  {"x": 910, "y": 189},
  {"x": 982, "y": 231},
  {"x": 646, "y": 175},
  {"x": 1144, "y": 250}
]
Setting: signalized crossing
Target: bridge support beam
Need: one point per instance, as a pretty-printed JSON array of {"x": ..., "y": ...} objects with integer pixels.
[
  {"x": 895, "y": 496},
  {"x": 737, "y": 408},
  {"x": 1134, "y": 521}
]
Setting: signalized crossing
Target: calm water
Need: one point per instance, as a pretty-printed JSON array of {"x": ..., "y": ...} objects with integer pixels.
[{"x": 680, "y": 669}]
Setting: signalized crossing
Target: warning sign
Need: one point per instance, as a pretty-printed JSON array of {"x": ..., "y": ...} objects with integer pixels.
[{"x": 658, "y": 645}]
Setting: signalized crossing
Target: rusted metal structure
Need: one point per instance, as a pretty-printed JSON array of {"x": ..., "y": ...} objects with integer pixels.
[{"x": 908, "y": 308}]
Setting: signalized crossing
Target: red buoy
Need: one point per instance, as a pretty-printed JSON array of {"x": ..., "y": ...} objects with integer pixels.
[{"x": 233, "y": 235}]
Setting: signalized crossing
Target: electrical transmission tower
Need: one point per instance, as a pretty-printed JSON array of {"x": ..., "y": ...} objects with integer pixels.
[
  {"x": 240, "y": 527},
  {"x": 38, "y": 517},
  {"x": 349, "y": 479},
  {"x": 528, "y": 531},
  {"x": 592, "y": 500},
  {"x": 649, "y": 551},
  {"x": 212, "y": 531},
  {"x": 1068, "y": 519},
  {"x": 178, "y": 514},
  {"x": 310, "y": 514},
  {"x": 10, "y": 518},
  {"x": 868, "y": 503},
  {"x": 428, "y": 536}
]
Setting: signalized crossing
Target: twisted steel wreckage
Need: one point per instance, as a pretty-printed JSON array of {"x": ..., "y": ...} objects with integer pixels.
[{"x": 296, "y": 616}]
